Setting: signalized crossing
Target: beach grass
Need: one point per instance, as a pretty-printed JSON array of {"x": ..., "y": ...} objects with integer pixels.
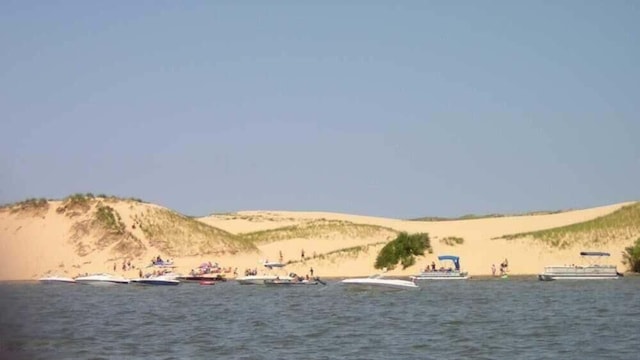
[
  {"x": 486, "y": 216},
  {"x": 452, "y": 241},
  {"x": 179, "y": 235},
  {"x": 348, "y": 252},
  {"x": 30, "y": 207},
  {"x": 622, "y": 224},
  {"x": 319, "y": 229},
  {"x": 109, "y": 219}
]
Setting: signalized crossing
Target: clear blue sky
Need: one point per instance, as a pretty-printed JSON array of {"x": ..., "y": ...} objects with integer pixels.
[{"x": 389, "y": 108}]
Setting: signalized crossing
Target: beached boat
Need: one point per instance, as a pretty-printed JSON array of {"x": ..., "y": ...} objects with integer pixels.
[
  {"x": 208, "y": 272},
  {"x": 162, "y": 280},
  {"x": 203, "y": 277},
  {"x": 163, "y": 264},
  {"x": 101, "y": 279},
  {"x": 377, "y": 281},
  {"x": 443, "y": 273},
  {"x": 294, "y": 282},
  {"x": 260, "y": 279},
  {"x": 54, "y": 279},
  {"x": 591, "y": 271}
]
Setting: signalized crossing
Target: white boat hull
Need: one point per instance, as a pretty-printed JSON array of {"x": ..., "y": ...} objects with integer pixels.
[
  {"x": 440, "y": 276},
  {"x": 380, "y": 283},
  {"x": 290, "y": 282},
  {"x": 595, "y": 272},
  {"x": 155, "y": 282},
  {"x": 56, "y": 280},
  {"x": 552, "y": 277},
  {"x": 101, "y": 280},
  {"x": 259, "y": 279}
]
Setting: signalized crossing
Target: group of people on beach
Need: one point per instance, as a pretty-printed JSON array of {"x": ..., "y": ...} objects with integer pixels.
[
  {"x": 126, "y": 265},
  {"x": 504, "y": 268},
  {"x": 303, "y": 256}
]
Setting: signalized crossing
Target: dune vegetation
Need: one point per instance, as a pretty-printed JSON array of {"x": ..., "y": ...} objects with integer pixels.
[
  {"x": 319, "y": 229},
  {"x": 101, "y": 228},
  {"x": 98, "y": 225},
  {"x": 349, "y": 252},
  {"x": 403, "y": 249},
  {"x": 631, "y": 256},
  {"x": 623, "y": 223},
  {"x": 28, "y": 204},
  {"x": 486, "y": 216},
  {"x": 179, "y": 235},
  {"x": 452, "y": 241}
]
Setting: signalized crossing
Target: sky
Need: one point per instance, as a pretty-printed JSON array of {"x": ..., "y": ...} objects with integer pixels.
[{"x": 386, "y": 108}]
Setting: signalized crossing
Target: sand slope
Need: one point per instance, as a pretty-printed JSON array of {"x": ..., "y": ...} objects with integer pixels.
[{"x": 35, "y": 242}]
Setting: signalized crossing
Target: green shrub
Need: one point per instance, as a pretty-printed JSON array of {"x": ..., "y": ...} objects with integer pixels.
[
  {"x": 631, "y": 256},
  {"x": 110, "y": 219},
  {"x": 452, "y": 240},
  {"x": 403, "y": 249}
]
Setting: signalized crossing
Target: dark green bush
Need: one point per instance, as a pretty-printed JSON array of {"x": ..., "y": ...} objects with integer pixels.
[
  {"x": 403, "y": 249},
  {"x": 631, "y": 256}
]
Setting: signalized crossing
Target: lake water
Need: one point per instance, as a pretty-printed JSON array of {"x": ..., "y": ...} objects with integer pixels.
[{"x": 476, "y": 319}]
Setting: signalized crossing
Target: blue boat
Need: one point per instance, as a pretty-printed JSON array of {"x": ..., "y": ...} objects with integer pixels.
[{"x": 442, "y": 272}]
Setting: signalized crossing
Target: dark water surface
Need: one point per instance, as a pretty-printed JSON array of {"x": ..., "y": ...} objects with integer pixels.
[{"x": 475, "y": 319}]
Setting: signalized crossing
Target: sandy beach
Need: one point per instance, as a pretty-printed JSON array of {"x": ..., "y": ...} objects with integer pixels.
[{"x": 38, "y": 241}]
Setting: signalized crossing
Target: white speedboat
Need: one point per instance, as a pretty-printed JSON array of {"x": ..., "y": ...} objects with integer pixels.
[
  {"x": 443, "y": 273},
  {"x": 260, "y": 279},
  {"x": 54, "y": 279},
  {"x": 296, "y": 281},
  {"x": 591, "y": 271},
  {"x": 101, "y": 279},
  {"x": 377, "y": 281},
  {"x": 161, "y": 280}
]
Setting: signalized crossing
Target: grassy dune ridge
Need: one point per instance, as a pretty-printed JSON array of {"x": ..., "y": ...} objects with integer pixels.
[
  {"x": 319, "y": 229},
  {"x": 486, "y": 216},
  {"x": 622, "y": 224},
  {"x": 180, "y": 235},
  {"x": 351, "y": 252}
]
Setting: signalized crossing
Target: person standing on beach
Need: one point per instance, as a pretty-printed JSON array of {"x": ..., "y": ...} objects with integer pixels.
[
  {"x": 493, "y": 269},
  {"x": 311, "y": 272},
  {"x": 302, "y": 254}
]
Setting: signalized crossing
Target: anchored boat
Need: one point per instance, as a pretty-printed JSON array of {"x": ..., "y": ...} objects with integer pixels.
[
  {"x": 443, "y": 273},
  {"x": 592, "y": 271}
]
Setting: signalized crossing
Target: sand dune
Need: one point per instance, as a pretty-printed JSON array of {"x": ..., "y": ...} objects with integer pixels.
[{"x": 43, "y": 239}]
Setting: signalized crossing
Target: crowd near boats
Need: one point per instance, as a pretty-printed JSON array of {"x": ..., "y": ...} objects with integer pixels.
[{"x": 273, "y": 274}]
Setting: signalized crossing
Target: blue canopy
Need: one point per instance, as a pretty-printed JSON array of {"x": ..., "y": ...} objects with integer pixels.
[
  {"x": 593, "y": 253},
  {"x": 455, "y": 259}
]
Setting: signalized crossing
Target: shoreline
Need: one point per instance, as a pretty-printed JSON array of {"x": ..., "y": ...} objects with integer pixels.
[{"x": 338, "y": 278}]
